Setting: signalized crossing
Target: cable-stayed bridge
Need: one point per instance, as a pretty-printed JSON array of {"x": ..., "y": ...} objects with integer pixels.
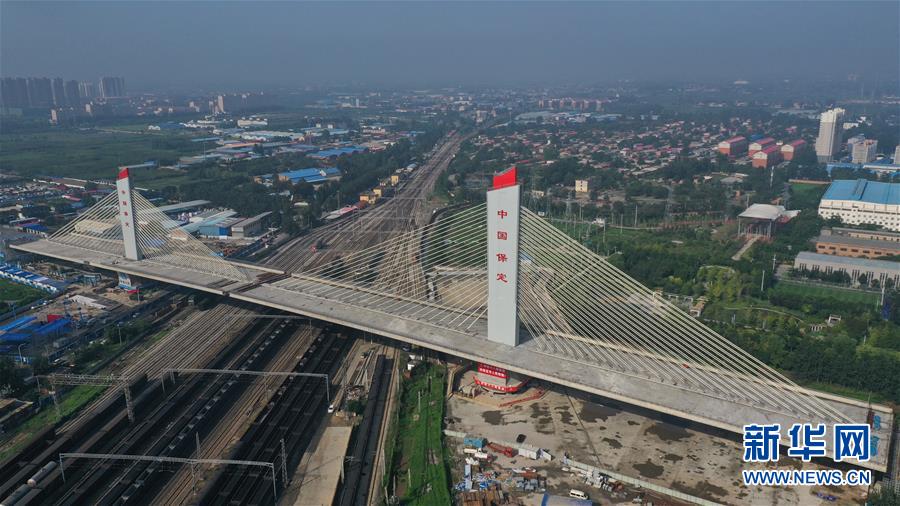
[{"x": 493, "y": 283}]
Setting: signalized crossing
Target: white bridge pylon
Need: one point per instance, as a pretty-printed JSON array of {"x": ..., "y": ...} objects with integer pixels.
[
  {"x": 126, "y": 224},
  {"x": 568, "y": 303}
]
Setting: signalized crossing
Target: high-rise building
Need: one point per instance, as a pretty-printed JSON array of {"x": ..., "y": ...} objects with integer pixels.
[
  {"x": 241, "y": 102},
  {"x": 864, "y": 151},
  {"x": 40, "y": 92},
  {"x": 112, "y": 87},
  {"x": 829, "y": 141},
  {"x": 853, "y": 141},
  {"x": 14, "y": 92},
  {"x": 897, "y": 154},
  {"x": 59, "y": 92},
  {"x": 87, "y": 90},
  {"x": 73, "y": 97}
]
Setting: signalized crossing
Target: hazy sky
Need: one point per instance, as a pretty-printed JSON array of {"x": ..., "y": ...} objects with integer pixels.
[{"x": 235, "y": 44}]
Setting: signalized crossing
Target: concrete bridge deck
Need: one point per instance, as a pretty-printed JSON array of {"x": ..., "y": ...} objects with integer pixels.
[{"x": 529, "y": 358}]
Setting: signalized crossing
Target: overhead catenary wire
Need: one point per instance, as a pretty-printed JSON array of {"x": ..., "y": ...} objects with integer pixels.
[{"x": 572, "y": 303}]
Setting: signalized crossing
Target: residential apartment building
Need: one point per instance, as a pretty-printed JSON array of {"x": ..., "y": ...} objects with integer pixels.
[
  {"x": 864, "y": 151},
  {"x": 828, "y": 143}
]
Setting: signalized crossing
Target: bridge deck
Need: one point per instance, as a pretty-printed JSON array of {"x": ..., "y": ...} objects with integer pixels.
[{"x": 343, "y": 307}]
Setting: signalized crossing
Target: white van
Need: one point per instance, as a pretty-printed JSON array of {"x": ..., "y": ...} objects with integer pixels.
[{"x": 578, "y": 494}]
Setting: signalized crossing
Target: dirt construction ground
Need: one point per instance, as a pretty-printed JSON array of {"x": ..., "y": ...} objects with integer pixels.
[{"x": 672, "y": 454}]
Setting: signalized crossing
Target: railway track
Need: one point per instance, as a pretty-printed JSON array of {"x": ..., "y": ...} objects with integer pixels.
[
  {"x": 407, "y": 209},
  {"x": 291, "y": 417},
  {"x": 181, "y": 489},
  {"x": 377, "y": 474},
  {"x": 358, "y": 472},
  {"x": 166, "y": 421},
  {"x": 194, "y": 343},
  {"x": 198, "y": 342}
]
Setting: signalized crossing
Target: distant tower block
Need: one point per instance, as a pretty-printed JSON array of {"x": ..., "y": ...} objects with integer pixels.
[{"x": 126, "y": 215}]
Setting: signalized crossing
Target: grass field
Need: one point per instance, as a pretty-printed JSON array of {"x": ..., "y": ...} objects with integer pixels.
[
  {"x": 71, "y": 402},
  {"x": 846, "y": 295},
  {"x": 88, "y": 154},
  {"x": 21, "y": 295},
  {"x": 421, "y": 471},
  {"x": 806, "y": 196}
]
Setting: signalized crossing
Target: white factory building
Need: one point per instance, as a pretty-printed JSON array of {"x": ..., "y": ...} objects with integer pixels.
[{"x": 859, "y": 202}]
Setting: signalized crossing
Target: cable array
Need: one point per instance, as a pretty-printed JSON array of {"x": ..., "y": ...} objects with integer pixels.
[
  {"x": 159, "y": 238},
  {"x": 573, "y": 304},
  {"x": 577, "y": 305},
  {"x": 435, "y": 274}
]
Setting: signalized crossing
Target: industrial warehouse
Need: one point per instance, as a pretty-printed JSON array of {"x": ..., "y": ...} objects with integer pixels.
[{"x": 861, "y": 201}]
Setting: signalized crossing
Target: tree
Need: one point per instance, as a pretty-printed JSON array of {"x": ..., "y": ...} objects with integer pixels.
[
  {"x": 10, "y": 381},
  {"x": 40, "y": 365},
  {"x": 884, "y": 497}
]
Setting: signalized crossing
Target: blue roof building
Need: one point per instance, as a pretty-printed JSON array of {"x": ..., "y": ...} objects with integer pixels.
[
  {"x": 310, "y": 175},
  {"x": 13, "y": 273},
  {"x": 336, "y": 152},
  {"x": 860, "y": 201},
  {"x": 862, "y": 190}
]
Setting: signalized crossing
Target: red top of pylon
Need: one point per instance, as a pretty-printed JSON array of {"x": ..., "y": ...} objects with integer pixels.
[
  {"x": 505, "y": 178},
  {"x": 123, "y": 173}
]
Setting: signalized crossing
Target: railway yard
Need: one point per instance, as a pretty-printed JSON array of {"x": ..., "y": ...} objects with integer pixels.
[
  {"x": 239, "y": 404},
  {"x": 408, "y": 209},
  {"x": 193, "y": 430}
]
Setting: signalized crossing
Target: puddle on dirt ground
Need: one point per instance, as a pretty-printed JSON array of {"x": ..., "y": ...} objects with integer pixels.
[
  {"x": 612, "y": 443},
  {"x": 648, "y": 469},
  {"x": 544, "y": 421},
  {"x": 592, "y": 412},
  {"x": 703, "y": 489},
  {"x": 492, "y": 417},
  {"x": 671, "y": 457},
  {"x": 565, "y": 416},
  {"x": 633, "y": 423},
  {"x": 538, "y": 411},
  {"x": 668, "y": 432}
]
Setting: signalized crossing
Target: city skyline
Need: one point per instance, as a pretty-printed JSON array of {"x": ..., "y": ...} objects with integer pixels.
[{"x": 448, "y": 44}]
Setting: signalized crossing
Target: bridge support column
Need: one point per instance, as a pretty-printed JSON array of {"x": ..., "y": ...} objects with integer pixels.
[
  {"x": 503, "y": 259},
  {"x": 503, "y": 210},
  {"x": 126, "y": 215}
]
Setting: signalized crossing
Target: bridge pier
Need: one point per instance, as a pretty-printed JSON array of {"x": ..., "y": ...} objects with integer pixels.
[
  {"x": 503, "y": 216},
  {"x": 126, "y": 215}
]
